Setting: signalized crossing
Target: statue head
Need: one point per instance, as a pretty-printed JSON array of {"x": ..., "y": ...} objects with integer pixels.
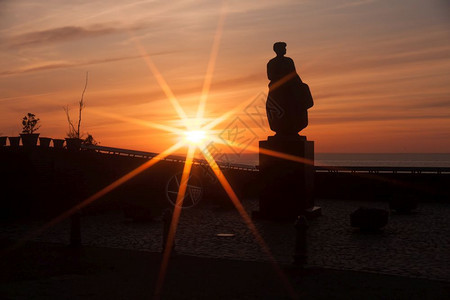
[{"x": 279, "y": 48}]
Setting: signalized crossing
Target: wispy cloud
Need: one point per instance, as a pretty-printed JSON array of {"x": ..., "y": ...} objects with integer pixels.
[
  {"x": 52, "y": 65},
  {"x": 355, "y": 3},
  {"x": 66, "y": 33},
  {"x": 351, "y": 118}
]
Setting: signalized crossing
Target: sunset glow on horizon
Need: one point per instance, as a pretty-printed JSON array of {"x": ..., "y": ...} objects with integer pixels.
[{"x": 379, "y": 71}]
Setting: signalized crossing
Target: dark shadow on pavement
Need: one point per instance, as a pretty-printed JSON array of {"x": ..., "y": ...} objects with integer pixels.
[{"x": 51, "y": 271}]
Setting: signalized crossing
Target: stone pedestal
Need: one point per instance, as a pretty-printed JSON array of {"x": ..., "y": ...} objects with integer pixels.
[{"x": 287, "y": 179}]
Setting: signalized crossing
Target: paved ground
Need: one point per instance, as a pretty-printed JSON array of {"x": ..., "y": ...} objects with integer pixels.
[
  {"x": 415, "y": 247},
  {"x": 46, "y": 271}
]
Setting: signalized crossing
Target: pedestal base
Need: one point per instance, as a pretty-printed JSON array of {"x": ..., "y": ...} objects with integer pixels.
[{"x": 286, "y": 170}]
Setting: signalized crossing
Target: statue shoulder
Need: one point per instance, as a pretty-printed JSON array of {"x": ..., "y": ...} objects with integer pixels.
[
  {"x": 272, "y": 61},
  {"x": 288, "y": 59}
]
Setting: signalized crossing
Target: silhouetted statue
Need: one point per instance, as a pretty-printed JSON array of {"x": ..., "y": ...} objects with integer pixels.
[{"x": 289, "y": 98}]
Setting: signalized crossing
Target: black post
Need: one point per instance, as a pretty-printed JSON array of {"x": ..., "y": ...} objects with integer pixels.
[
  {"x": 75, "y": 229},
  {"x": 301, "y": 249},
  {"x": 167, "y": 220}
]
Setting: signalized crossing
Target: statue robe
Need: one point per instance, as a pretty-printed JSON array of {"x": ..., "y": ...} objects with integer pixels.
[{"x": 286, "y": 108}]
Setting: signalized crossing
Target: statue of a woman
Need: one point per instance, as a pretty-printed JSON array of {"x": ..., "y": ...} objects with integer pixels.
[{"x": 289, "y": 98}]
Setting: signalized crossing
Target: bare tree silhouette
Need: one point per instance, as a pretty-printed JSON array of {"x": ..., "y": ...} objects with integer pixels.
[{"x": 75, "y": 132}]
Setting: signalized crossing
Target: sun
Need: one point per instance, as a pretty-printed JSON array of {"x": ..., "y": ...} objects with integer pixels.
[
  {"x": 194, "y": 133},
  {"x": 195, "y": 137}
]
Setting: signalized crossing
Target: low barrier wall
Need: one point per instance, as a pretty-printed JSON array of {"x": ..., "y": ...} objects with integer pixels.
[{"x": 47, "y": 181}]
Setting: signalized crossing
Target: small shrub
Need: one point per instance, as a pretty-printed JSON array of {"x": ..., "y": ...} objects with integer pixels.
[{"x": 30, "y": 124}]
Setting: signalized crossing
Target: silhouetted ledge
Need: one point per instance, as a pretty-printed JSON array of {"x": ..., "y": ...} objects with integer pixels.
[{"x": 47, "y": 180}]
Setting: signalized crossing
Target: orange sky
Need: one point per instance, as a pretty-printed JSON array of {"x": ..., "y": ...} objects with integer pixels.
[{"x": 379, "y": 71}]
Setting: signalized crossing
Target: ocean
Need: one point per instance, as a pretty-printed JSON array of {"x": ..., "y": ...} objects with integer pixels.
[
  {"x": 363, "y": 159},
  {"x": 384, "y": 159}
]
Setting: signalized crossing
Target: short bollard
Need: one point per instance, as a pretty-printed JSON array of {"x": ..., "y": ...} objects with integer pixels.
[
  {"x": 75, "y": 229},
  {"x": 300, "y": 253},
  {"x": 167, "y": 220}
]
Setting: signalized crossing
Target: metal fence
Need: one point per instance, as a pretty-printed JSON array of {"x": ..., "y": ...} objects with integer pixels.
[{"x": 329, "y": 169}]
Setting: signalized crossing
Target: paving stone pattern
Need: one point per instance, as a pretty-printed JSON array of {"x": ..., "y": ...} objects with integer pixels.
[{"x": 413, "y": 245}]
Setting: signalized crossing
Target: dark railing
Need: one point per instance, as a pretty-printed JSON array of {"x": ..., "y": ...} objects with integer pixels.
[
  {"x": 173, "y": 158},
  {"x": 329, "y": 169},
  {"x": 376, "y": 170}
]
